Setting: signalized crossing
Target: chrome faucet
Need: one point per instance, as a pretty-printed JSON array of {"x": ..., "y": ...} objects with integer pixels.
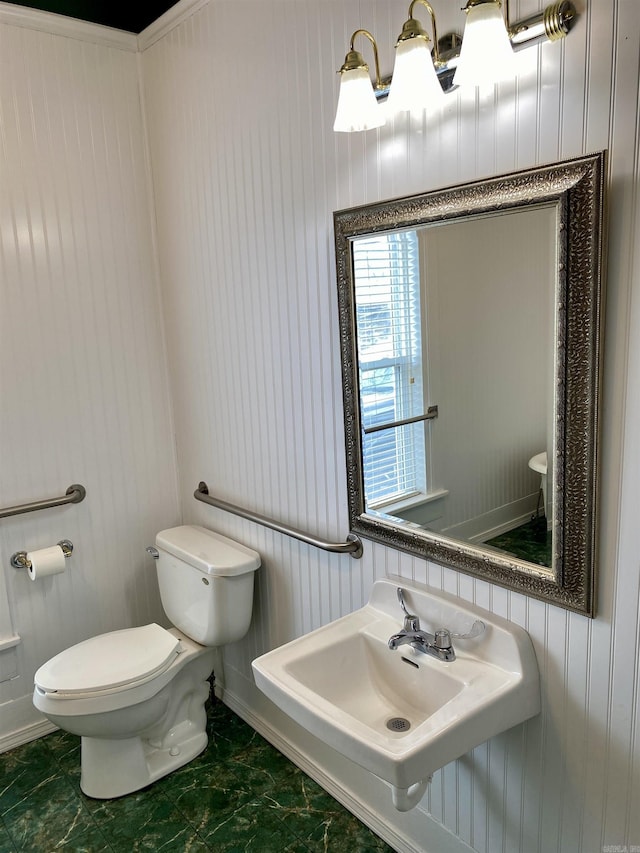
[{"x": 437, "y": 645}]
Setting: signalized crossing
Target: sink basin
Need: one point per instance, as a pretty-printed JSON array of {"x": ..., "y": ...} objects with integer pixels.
[
  {"x": 403, "y": 714},
  {"x": 361, "y": 677}
]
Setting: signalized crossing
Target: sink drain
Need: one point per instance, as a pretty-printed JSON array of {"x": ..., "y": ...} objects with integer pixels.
[{"x": 398, "y": 724}]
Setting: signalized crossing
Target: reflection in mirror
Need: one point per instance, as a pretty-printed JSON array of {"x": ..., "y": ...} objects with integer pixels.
[
  {"x": 455, "y": 360},
  {"x": 470, "y": 332}
]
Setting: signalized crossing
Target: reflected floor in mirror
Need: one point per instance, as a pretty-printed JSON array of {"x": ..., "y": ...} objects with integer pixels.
[
  {"x": 239, "y": 794},
  {"x": 531, "y": 541}
]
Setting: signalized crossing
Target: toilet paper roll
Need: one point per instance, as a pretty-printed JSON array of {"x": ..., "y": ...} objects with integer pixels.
[{"x": 45, "y": 562}]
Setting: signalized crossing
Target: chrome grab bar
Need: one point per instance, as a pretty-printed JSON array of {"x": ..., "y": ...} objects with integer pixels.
[
  {"x": 429, "y": 415},
  {"x": 352, "y": 546},
  {"x": 73, "y": 495}
]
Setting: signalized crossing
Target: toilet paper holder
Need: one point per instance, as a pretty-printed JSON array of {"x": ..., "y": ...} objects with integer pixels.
[{"x": 20, "y": 560}]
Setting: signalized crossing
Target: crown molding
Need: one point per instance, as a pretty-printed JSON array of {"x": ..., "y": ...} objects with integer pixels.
[
  {"x": 61, "y": 25},
  {"x": 165, "y": 23}
]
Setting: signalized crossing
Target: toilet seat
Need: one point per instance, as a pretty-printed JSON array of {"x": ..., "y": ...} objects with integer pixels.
[{"x": 109, "y": 663}]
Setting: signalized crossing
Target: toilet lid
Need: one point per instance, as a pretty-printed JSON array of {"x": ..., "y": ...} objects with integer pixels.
[{"x": 110, "y": 661}]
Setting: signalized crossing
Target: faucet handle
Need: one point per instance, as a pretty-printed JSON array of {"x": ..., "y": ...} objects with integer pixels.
[
  {"x": 411, "y": 621},
  {"x": 400, "y": 593},
  {"x": 442, "y": 638},
  {"x": 476, "y": 629}
]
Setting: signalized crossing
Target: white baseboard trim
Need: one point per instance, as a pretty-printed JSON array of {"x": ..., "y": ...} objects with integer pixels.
[
  {"x": 25, "y": 735},
  {"x": 362, "y": 793},
  {"x": 21, "y": 723},
  {"x": 494, "y": 523}
]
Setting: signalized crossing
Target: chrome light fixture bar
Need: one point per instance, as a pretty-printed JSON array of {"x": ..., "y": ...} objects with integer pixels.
[
  {"x": 450, "y": 62},
  {"x": 552, "y": 24}
]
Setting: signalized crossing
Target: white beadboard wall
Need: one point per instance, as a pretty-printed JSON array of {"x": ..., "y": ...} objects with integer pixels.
[
  {"x": 83, "y": 384},
  {"x": 490, "y": 368},
  {"x": 247, "y": 172}
]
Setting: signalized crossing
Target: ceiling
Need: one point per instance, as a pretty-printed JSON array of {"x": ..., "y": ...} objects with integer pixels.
[{"x": 133, "y": 16}]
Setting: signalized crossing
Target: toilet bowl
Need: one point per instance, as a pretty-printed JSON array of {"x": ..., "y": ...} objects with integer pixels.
[
  {"x": 136, "y": 696},
  {"x": 538, "y": 463}
]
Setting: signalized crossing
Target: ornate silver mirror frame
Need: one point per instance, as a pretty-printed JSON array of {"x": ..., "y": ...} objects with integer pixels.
[{"x": 576, "y": 187}]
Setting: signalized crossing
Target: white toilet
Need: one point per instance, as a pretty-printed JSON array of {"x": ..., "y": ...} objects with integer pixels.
[
  {"x": 137, "y": 696},
  {"x": 538, "y": 463}
]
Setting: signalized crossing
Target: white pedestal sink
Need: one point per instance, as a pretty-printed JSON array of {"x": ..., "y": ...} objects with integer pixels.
[{"x": 403, "y": 714}]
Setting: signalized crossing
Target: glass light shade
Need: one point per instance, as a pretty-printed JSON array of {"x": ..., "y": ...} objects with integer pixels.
[
  {"x": 486, "y": 56},
  {"x": 357, "y": 105},
  {"x": 414, "y": 85}
]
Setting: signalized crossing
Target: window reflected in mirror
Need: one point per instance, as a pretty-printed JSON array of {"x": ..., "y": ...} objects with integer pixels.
[{"x": 390, "y": 365}]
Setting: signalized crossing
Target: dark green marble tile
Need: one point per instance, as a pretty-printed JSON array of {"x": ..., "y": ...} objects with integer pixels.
[
  {"x": 344, "y": 832},
  {"x": 64, "y": 748},
  {"x": 159, "y": 826},
  {"x": 318, "y": 819},
  {"x": 531, "y": 542},
  {"x": 6, "y": 844},
  {"x": 49, "y": 815},
  {"x": 22, "y": 770},
  {"x": 250, "y": 828},
  {"x": 92, "y": 841},
  {"x": 262, "y": 768},
  {"x": 240, "y": 794},
  {"x": 125, "y": 809},
  {"x": 207, "y": 802},
  {"x": 227, "y": 732},
  {"x": 60, "y": 744},
  {"x": 207, "y": 766},
  {"x": 30, "y": 754}
]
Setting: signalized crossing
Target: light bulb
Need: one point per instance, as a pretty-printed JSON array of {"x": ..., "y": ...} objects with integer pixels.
[
  {"x": 357, "y": 106},
  {"x": 486, "y": 56},
  {"x": 415, "y": 84}
]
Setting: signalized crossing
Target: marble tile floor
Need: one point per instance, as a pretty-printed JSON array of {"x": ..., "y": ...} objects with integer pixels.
[
  {"x": 530, "y": 541},
  {"x": 241, "y": 794}
]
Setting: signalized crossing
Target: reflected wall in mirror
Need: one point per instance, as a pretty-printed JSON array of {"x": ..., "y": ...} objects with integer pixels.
[{"x": 470, "y": 337}]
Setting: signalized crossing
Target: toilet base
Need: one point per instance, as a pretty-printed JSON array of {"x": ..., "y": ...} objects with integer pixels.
[
  {"x": 164, "y": 741},
  {"x": 113, "y": 768}
]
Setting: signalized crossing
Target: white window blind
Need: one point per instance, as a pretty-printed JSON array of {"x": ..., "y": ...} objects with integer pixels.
[{"x": 389, "y": 341}]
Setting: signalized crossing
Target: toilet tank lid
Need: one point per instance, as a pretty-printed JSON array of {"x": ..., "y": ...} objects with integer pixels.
[
  {"x": 208, "y": 551},
  {"x": 109, "y": 661}
]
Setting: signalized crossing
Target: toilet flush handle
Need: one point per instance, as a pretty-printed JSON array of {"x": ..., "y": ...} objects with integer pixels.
[{"x": 153, "y": 551}]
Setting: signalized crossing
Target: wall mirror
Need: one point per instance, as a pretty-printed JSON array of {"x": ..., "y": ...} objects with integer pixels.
[{"x": 470, "y": 332}]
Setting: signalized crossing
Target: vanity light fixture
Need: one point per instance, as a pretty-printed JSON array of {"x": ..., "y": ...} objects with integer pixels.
[
  {"x": 484, "y": 55},
  {"x": 358, "y": 108},
  {"x": 415, "y": 85}
]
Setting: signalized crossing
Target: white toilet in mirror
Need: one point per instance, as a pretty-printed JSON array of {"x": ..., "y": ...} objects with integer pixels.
[
  {"x": 136, "y": 696},
  {"x": 538, "y": 463}
]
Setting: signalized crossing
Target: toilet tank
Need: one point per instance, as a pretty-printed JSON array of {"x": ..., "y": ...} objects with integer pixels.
[{"x": 206, "y": 583}]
